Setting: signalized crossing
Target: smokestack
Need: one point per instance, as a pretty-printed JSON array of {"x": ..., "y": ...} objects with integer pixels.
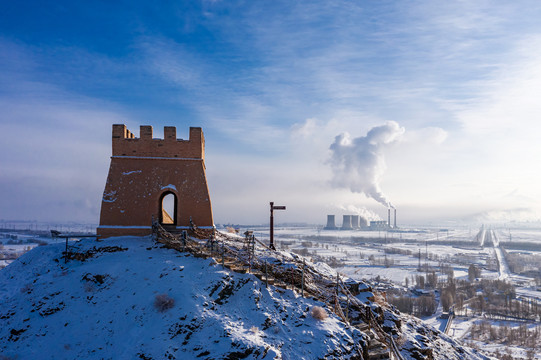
[
  {"x": 355, "y": 221},
  {"x": 395, "y": 218},
  {"x": 330, "y": 223},
  {"x": 346, "y": 222},
  {"x": 389, "y": 218}
]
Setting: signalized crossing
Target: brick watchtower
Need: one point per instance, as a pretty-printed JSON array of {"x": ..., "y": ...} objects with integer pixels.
[{"x": 160, "y": 178}]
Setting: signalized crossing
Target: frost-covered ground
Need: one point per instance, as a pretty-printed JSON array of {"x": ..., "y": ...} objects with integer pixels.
[
  {"x": 461, "y": 330},
  {"x": 354, "y": 249},
  {"x": 456, "y": 247},
  {"x": 134, "y": 299},
  {"x": 14, "y": 244},
  {"x": 105, "y": 307}
]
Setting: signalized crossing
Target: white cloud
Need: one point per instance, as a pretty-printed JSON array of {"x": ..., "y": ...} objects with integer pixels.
[
  {"x": 433, "y": 135},
  {"x": 272, "y": 89},
  {"x": 56, "y": 146},
  {"x": 173, "y": 63},
  {"x": 305, "y": 130},
  {"x": 502, "y": 124},
  {"x": 506, "y": 216},
  {"x": 508, "y": 102}
]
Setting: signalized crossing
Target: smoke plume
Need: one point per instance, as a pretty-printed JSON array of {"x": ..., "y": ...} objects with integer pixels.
[
  {"x": 363, "y": 212},
  {"x": 359, "y": 163}
]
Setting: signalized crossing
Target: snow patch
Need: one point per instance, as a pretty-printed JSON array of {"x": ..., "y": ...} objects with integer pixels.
[
  {"x": 109, "y": 196},
  {"x": 169, "y": 187},
  {"x": 132, "y": 172}
]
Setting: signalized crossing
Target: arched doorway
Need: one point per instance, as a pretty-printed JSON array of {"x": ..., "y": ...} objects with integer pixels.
[{"x": 168, "y": 209}]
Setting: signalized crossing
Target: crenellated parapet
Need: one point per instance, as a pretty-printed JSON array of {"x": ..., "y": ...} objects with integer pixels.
[{"x": 126, "y": 144}]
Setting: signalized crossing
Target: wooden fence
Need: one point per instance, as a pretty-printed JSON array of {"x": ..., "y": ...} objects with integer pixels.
[{"x": 242, "y": 254}]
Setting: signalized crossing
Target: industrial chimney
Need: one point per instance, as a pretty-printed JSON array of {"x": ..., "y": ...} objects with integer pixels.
[
  {"x": 346, "y": 222},
  {"x": 395, "y": 218},
  {"x": 389, "y": 218},
  {"x": 330, "y": 223}
]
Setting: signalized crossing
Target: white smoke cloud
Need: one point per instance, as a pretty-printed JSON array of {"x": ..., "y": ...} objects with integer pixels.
[
  {"x": 359, "y": 163},
  {"x": 363, "y": 212}
]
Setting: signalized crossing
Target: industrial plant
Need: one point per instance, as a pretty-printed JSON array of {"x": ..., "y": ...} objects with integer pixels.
[{"x": 358, "y": 222}]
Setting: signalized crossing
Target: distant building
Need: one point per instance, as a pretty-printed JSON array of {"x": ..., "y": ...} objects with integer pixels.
[
  {"x": 363, "y": 222},
  {"x": 331, "y": 225},
  {"x": 355, "y": 221},
  {"x": 379, "y": 225},
  {"x": 346, "y": 222}
]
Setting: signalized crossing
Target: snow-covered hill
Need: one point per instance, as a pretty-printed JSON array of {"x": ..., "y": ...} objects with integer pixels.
[{"x": 134, "y": 299}]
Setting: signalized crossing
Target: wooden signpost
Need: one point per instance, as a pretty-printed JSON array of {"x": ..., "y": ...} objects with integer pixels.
[{"x": 272, "y": 208}]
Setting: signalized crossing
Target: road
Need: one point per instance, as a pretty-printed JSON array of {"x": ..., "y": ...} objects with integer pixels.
[
  {"x": 481, "y": 236},
  {"x": 491, "y": 236}
]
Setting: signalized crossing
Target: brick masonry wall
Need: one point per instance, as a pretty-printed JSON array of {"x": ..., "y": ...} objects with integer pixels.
[
  {"x": 125, "y": 144},
  {"x": 142, "y": 170}
]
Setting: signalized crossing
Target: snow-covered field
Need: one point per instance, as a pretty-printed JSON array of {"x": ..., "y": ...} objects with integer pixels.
[
  {"x": 362, "y": 255},
  {"x": 132, "y": 298},
  {"x": 458, "y": 248},
  {"x": 15, "y": 244}
]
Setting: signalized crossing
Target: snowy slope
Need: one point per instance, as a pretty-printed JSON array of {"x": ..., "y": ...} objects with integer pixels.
[{"x": 103, "y": 307}]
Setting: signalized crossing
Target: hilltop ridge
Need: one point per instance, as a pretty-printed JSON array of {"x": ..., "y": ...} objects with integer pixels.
[{"x": 131, "y": 297}]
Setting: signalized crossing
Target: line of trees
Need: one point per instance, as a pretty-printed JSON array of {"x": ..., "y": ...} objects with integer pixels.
[
  {"x": 520, "y": 335},
  {"x": 493, "y": 298},
  {"x": 423, "y": 305},
  {"x": 527, "y": 264}
]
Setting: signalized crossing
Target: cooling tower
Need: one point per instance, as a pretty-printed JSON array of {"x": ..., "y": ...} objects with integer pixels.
[
  {"x": 330, "y": 223},
  {"x": 355, "y": 221},
  {"x": 363, "y": 223},
  {"x": 346, "y": 222}
]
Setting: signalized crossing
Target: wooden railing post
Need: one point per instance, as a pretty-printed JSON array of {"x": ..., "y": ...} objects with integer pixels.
[
  {"x": 223, "y": 252},
  {"x": 266, "y": 276},
  {"x": 302, "y": 277}
]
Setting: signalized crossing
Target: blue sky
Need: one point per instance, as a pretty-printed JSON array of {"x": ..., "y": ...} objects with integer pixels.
[{"x": 273, "y": 84}]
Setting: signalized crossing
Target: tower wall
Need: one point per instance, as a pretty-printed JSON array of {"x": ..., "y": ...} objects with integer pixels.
[{"x": 143, "y": 170}]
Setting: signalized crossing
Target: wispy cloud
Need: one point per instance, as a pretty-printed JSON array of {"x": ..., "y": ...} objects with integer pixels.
[
  {"x": 273, "y": 83},
  {"x": 56, "y": 145}
]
